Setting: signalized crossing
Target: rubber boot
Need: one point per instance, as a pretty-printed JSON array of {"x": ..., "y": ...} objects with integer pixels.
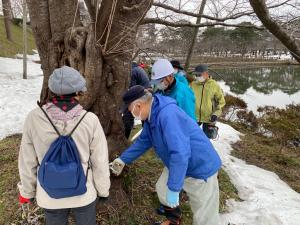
[
  {"x": 173, "y": 216},
  {"x": 160, "y": 210}
]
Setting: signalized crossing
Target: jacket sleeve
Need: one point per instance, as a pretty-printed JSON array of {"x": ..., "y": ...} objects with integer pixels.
[
  {"x": 142, "y": 144},
  {"x": 99, "y": 160},
  {"x": 133, "y": 78},
  {"x": 219, "y": 101},
  {"x": 176, "y": 136},
  {"x": 144, "y": 79},
  {"x": 27, "y": 163}
]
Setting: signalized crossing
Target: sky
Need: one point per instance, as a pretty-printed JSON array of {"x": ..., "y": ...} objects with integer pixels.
[{"x": 222, "y": 8}]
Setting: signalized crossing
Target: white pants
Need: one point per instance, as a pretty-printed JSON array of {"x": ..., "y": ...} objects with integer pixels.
[{"x": 203, "y": 197}]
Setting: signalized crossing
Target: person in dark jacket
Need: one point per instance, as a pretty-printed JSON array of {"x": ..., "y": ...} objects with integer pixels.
[
  {"x": 191, "y": 162},
  {"x": 179, "y": 73},
  {"x": 138, "y": 77}
]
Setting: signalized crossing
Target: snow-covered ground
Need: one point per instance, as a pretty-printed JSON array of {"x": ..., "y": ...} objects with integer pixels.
[
  {"x": 17, "y": 96},
  {"x": 267, "y": 200}
]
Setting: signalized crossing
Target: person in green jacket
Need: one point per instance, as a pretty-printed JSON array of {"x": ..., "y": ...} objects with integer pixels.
[{"x": 209, "y": 99}]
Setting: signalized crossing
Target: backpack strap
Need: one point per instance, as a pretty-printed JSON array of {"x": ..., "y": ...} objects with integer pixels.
[
  {"x": 56, "y": 130},
  {"x": 78, "y": 124},
  {"x": 88, "y": 168}
]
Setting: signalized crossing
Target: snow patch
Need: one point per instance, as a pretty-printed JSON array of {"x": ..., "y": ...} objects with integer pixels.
[
  {"x": 266, "y": 199},
  {"x": 17, "y": 96}
]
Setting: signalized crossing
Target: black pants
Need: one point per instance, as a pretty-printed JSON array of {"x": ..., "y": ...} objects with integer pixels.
[
  {"x": 128, "y": 121},
  {"x": 85, "y": 215},
  {"x": 205, "y": 128}
]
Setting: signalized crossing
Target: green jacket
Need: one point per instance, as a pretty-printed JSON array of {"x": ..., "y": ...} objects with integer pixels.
[{"x": 209, "y": 99}]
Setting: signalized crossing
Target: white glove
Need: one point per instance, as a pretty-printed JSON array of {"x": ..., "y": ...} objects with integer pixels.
[{"x": 117, "y": 166}]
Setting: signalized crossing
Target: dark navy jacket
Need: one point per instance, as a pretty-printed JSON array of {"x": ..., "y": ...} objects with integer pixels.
[{"x": 139, "y": 77}]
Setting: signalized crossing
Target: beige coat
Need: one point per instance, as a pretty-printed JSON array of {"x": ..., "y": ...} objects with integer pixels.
[{"x": 38, "y": 134}]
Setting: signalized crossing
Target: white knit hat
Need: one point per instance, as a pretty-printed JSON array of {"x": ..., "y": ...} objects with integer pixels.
[{"x": 161, "y": 68}]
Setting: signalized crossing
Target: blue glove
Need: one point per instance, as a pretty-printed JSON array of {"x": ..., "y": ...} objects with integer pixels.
[{"x": 172, "y": 198}]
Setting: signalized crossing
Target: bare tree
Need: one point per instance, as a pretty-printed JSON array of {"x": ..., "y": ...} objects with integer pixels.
[
  {"x": 24, "y": 40},
  {"x": 101, "y": 51},
  {"x": 194, "y": 37},
  {"x": 7, "y": 12},
  {"x": 220, "y": 13},
  {"x": 262, "y": 12}
]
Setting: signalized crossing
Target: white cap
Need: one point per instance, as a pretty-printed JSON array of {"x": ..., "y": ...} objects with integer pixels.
[{"x": 161, "y": 68}]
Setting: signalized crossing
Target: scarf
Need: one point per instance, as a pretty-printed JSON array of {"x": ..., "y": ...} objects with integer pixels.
[{"x": 65, "y": 102}]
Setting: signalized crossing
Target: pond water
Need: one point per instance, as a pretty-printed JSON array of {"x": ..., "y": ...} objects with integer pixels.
[{"x": 272, "y": 86}]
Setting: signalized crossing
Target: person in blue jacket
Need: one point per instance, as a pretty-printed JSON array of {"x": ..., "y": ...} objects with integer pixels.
[
  {"x": 163, "y": 78},
  {"x": 179, "y": 73},
  {"x": 190, "y": 160}
]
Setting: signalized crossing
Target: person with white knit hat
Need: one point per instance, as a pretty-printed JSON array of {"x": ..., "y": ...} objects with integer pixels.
[{"x": 163, "y": 79}]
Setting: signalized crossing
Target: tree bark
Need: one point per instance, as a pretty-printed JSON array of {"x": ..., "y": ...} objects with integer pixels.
[
  {"x": 101, "y": 51},
  {"x": 194, "y": 37},
  {"x": 24, "y": 40},
  {"x": 7, "y": 13},
  {"x": 260, "y": 8}
]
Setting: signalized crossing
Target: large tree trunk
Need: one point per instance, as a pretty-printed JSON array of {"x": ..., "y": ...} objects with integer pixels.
[
  {"x": 7, "y": 13},
  {"x": 262, "y": 12},
  {"x": 101, "y": 51}
]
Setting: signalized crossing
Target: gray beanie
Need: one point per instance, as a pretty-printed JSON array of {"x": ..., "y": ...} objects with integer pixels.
[{"x": 66, "y": 80}]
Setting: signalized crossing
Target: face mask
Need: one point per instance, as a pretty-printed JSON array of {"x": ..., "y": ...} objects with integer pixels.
[
  {"x": 200, "y": 79},
  {"x": 135, "y": 116},
  {"x": 175, "y": 71},
  {"x": 161, "y": 86}
]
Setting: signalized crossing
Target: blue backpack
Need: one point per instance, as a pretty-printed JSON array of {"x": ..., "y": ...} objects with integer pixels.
[{"x": 61, "y": 174}]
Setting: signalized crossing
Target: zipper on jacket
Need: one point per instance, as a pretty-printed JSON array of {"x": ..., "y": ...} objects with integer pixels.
[{"x": 201, "y": 102}]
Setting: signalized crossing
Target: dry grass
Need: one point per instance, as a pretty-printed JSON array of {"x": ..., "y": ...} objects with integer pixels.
[
  {"x": 272, "y": 142},
  {"x": 267, "y": 154},
  {"x": 138, "y": 183},
  {"x": 10, "y": 49}
]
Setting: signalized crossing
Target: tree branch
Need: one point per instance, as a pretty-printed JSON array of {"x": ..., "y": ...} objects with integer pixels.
[
  {"x": 91, "y": 9},
  {"x": 262, "y": 12},
  {"x": 133, "y": 7},
  {"x": 189, "y": 24},
  {"x": 234, "y": 16},
  {"x": 184, "y": 12}
]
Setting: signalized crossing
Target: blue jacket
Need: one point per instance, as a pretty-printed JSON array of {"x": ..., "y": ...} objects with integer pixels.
[
  {"x": 180, "y": 76},
  {"x": 184, "y": 97},
  {"x": 139, "y": 77},
  {"x": 178, "y": 141}
]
